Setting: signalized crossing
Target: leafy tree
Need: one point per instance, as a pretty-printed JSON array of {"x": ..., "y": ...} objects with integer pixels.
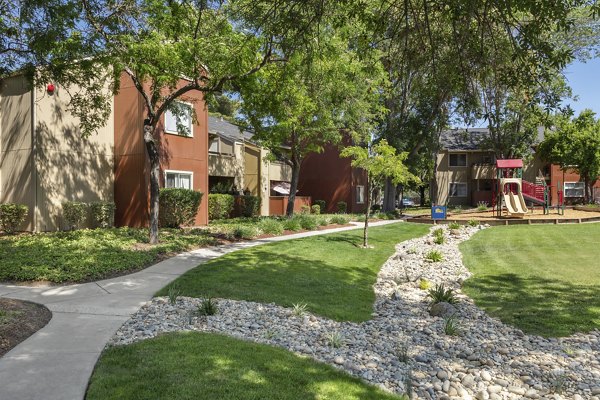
[
  {"x": 575, "y": 144},
  {"x": 315, "y": 98},
  {"x": 381, "y": 162}
]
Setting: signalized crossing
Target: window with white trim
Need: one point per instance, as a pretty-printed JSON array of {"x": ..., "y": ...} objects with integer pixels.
[
  {"x": 178, "y": 119},
  {"x": 214, "y": 146},
  {"x": 179, "y": 179},
  {"x": 360, "y": 194},
  {"x": 457, "y": 189},
  {"x": 457, "y": 160},
  {"x": 574, "y": 189}
]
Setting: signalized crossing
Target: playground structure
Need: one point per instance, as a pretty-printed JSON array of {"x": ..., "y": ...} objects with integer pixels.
[{"x": 512, "y": 192}]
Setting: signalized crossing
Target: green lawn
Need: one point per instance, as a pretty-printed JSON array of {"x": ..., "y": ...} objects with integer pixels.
[
  {"x": 85, "y": 255},
  {"x": 329, "y": 273},
  {"x": 208, "y": 366},
  {"x": 543, "y": 279}
]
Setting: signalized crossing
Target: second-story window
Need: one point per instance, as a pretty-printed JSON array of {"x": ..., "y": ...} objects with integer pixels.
[
  {"x": 457, "y": 160},
  {"x": 178, "y": 120}
]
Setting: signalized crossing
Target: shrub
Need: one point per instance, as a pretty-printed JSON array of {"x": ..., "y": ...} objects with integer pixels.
[
  {"x": 438, "y": 236},
  {"x": 304, "y": 209},
  {"x": 473, "y": 223},
  {"x": 434, "y": 255},
  {"x": 249, "y": 205},
  {"x": 103, "y": 214},
  {"x": 299, "y": 309},
  {"x": 342, "y": 207},
  {"x": 335, "y": 339},
  {"x": 454, "y": 225},
  {"x": 11, "y": 216},
  {"x": 178, "y": 207},
  {"x": 482, "y": 206},
  {"x": 340, "y": 219},
  {"x": 308, "y": 222},
  {"x": 270, "y": 226},
  {"x": 74, "y": 213},
  {"x": 244, "y": 232},
  {"x": 315, "y": 209},
  {"x": 322, "y": 205},
  {"x": 440, "y": 294},
  {"x": 292, "y": 224},
  {"x": 220, "y": 205},
  {"x": 207, "y": 307},
  {"x": 452, "y": 326},
  {"x": 323, "y": 220},
  {"x": 402, "y": 352}
]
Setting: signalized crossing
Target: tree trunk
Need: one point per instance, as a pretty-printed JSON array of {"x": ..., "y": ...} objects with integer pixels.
[
  {"x": 367, "y": 214},
  {"x": 153, "y": 156},
  {"x": 293, "y": 187},
  {"x": 389, "y": 196},
  {"x": 422, "y": 195}
]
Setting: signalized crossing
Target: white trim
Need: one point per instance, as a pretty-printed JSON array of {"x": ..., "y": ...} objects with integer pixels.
[
  {"x": 458, "y": 183},
  {"x": 174, "y": 171},
  {"x": 363, "y": 194},
  {"x": 170, "y": 132},
  {"x": 459, "y": 166}
]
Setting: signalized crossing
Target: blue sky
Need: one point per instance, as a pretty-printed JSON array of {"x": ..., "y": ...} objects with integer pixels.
[{"x": 584, "y": 79}]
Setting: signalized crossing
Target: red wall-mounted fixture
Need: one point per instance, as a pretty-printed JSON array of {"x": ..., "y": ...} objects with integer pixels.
[{"x": 50, "y": 88}]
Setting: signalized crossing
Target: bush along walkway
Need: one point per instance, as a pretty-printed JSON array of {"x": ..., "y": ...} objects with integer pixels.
[
  {"x": 56, "y": 362},
  {"x": 463, "y": 353}
]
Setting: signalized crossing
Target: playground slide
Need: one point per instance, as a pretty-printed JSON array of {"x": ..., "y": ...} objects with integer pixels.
[
  {"x": 522, "y": 202},
  {"x": 511, "y": 205}
]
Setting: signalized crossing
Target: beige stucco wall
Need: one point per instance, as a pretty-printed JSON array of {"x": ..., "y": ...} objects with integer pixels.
[
  {"x": 251, "y": 169},
  {"x": 69, "y": 166},
  {"x": 446, "y": 175},
  {"x": 279, "y": 171},
  {"x": 16, "y": 150},
  {"x": 229, "y": 165}
]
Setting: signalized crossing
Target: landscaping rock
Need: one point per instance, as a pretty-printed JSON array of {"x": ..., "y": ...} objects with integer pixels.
[{"x": 442, "y": 309}]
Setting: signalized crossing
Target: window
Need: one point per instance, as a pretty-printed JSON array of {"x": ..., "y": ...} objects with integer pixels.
[
  {"x": 485, "y": 185},
  {"x": 458, "y": 190},
  {"x": 457, "y": 160},
  {"x": 360, "y": 194},
  {"x": 178, "y": 179},
  {"x": 178, "y": 120},
  {"x": 486, "y": 159},
  {"x": 214, "y": 146},
  {"x": 574, "y": 189}
]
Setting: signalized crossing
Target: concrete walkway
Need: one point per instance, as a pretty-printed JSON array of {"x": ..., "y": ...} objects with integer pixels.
[{"x": 56, "y": 362}]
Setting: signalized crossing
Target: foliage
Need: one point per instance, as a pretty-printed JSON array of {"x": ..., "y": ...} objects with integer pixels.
[
  {"x": 473, "y": 223},
  {"x": 249, "y": 205},
  {"x": 304, "y": 209},
  {"x": 173, "y": 294},
  {"x": 575, "y": 144},
  {"x": 103, "y": 214},
  {"x": 438, "y": 236},
  {"x": 452, "y": 326},
  {"x": 88, "y": 254},
  {"x": 303, "y": 271},
  {"x": 220, "y": 205},
  {"x": 270, "y": 226},
  {"x": 402, "y": 352},
  {"x": 424, "y": 284},
  {"x": 178, "y": 207},
  {"x": 245, "y": 232},
  {"x": 299, "y": 309},
  {"x": 315, "y": 209},
  {"x": 222, "y": 187},
  {"x": 12, "y": 216},
  {"x": 439, "y": 294},
  {"x": 308, "y": 222},
  {"x": 208, "y": 306},
  {"x": 74, "y": 213},
  {"x": 322, "y": 205},
  {"x": 340, "y": 219},
  {"x": 342, "y": 207},
  {"x": 335, "y": 339},
  {"x": 454, "y": 225},
  {"x": 196, "y": 365},
  {"x": 292, "y": 224}
]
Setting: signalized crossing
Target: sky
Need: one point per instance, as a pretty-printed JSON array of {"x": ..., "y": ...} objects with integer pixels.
[{"x": 584, "y": 79}]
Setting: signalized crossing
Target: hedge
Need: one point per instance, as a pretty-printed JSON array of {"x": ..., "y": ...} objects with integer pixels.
[
  {"x": 322, "y": 205},
  {"x": 103, "y": 214},
  {"x": 11, "y": 216},
  {"x": 342, "y": 207},
  {"x": 75, "y": 213},
  {"x": 220, "y": 205},
  {"x": 249, "y": 205},
  {"x": 178, "y": 207}
]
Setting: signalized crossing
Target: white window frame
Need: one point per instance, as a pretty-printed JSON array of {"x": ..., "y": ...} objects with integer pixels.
[
  {"x": 360, "y": 189},
  {"x": 458, "y": 183},
  {"x": 174, "y": 171},
  {"x": 218, "y": 141},
  {"x": 575, "y": 186},
  {"x": 191, "y": 127},
  {"x": 458, "y": 166}
]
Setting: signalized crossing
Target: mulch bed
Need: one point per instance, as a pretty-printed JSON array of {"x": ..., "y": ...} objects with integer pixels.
[{"x": 19, "y": 320}]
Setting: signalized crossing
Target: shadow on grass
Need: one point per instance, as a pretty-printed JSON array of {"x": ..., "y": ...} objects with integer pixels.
[
  {"x": 210, "y": 366},
  {"x": 538, "y": 305}
]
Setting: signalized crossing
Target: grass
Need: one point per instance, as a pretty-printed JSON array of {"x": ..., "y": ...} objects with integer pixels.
[
  {"x": 330, "y": 273},
  {"x": 208, "y": 366},
  {"x": 85, "y": 255},
  {"x": 544, "y": 280}
]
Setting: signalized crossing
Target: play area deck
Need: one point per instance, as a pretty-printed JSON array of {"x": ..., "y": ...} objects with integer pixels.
[{"x": 536, "y": 216}]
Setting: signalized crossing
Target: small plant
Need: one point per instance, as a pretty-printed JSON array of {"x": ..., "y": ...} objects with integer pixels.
[
  {"x": 244, "y": 232},
  {"x": 424, "y": 284},
  {"x": 292, "y": 224},
  {"x": 207, "y": 307},
  {"x": 452, "y": 326},
  {"x": 304, "y": 209},
  {"x": 323, "y": 220},
  {"x": 473, "y": 223},
  {"x": 335, "y": 339},
  {"x": 558, "y": 382},
  {"x": 482, "y": 206},
  {"x": 411, "y": 250},
  {"x": 272, "y": 334},
  {"x": 340, "y": 219},
  {"x": 408, "y": 385},
  {"x": 270, "y": 226},
  {"x": 315, "y": 209},
  {"x": 342, "y": 207},
  {"x": 434, "y": 256},
  {"x": 173, "y": 294},
  {"x": 402, "y": 352},
  {"x": 11, "y": 216},
  {"x": 440, "y": 294},
  {"x": 569, "y": 351},
  {"x": 457, "y": 210},
  {"x": 308, "y": 222},
  {"x": 438, "y": 236},
  {"x": 299, "y": 309},
  {"x": 454, "y": 225}
]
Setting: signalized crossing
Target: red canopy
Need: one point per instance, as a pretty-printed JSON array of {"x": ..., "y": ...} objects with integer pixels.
[{"x": 515, "y": 163}]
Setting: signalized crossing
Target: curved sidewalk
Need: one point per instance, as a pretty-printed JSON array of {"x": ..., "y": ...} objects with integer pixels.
[{"x": 56, "y": 362}]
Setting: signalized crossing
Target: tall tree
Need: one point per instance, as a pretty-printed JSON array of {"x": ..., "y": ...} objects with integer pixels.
[
  {"x": 315, "y": 98},
  {"x": 575, "y": 144}
]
